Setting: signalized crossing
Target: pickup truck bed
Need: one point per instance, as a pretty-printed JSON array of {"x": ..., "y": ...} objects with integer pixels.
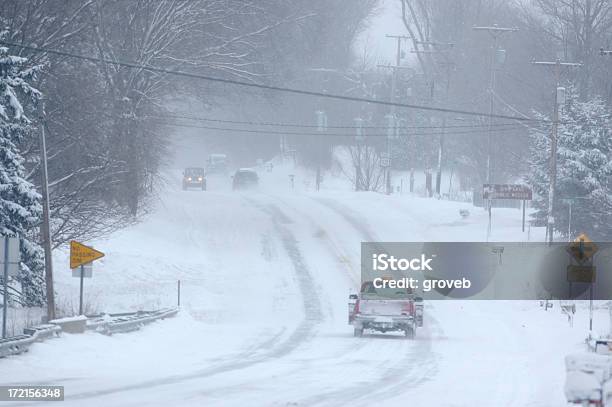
[{"x": 383, "y": 310}]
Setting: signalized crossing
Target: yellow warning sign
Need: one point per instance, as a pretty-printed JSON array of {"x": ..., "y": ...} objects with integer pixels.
[
  {"x": 81, "y": 254},
  {"x": 582, "y": 248}
]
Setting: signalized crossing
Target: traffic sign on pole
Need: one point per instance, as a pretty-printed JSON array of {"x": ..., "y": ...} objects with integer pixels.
[
  {"x": 13, "y": 257},
  {"x": 81, "y": 254},
  {"x": 506, "y": 191},
  {"x": 10, "y": 267},
  {"x": 582, "y": 248},
  {"x": 580, "y": 274},
  {"x": 87, "y": 269}
]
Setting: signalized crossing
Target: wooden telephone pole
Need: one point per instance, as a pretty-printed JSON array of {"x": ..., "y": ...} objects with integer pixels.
[
  {"x": 557, "y": 65},
  {"x": 45, "y": 226},
  {"x": 495, "y": 33},
  {"x": 440, "y": 48},
  {"x": 395, "y": 68}
]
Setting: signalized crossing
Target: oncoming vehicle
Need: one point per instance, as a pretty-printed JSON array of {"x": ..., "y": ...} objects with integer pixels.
[
  {"x": 194, "y": 177},
  {"x": 245, "y": 178},
  {"x": 383, "y": 310},
  {"x": 217, "y": 164}
]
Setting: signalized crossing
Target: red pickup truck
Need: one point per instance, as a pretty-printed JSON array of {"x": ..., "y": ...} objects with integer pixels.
[{"x": 385, "y": 309}]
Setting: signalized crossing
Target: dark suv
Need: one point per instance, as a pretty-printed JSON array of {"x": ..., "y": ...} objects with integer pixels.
[
  {"x": 245, "y": 178},
  {"x": 194, "y": 178}
]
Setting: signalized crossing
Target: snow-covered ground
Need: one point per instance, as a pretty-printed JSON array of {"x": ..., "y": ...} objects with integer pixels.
[{"x": 265, "y": 278}]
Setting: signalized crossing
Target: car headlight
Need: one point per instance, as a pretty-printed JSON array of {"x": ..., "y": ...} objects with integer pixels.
[
  {"x": 188, "y": 178},
  {"x": 199, "y": 178}
]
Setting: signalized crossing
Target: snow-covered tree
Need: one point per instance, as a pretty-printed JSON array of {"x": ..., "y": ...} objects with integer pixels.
[
  {"x": 583, "y": 169},
  {"x": 20, "y": 208}
]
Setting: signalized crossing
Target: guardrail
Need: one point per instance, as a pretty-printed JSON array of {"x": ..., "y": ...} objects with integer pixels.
[
  {"x": 107, "y": 324},
  {"x": 15, "y": 345},
  {"x": 42, "y": 332}
]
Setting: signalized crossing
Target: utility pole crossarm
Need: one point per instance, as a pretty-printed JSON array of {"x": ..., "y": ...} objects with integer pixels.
[
  {"x": 401, "y": 37},
  {"x": 495, "y": 29},
  {"x": 407, "y": 68},
  {"x": 604, "y": 52},
  {"x": 558, "y": 63},
  {"x": 436, "y": 44}
]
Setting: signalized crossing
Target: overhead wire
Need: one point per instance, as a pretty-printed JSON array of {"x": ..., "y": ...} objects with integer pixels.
[
  {"x": 303, "y": 125},
  {"x": 133, "y": 65},
  {"x": 331, "y": 134}
]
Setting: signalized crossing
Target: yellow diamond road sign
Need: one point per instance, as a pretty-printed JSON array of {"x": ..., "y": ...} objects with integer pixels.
[
  {"x": 81, "y": 254},
  {"x": 582, "y": 248}
]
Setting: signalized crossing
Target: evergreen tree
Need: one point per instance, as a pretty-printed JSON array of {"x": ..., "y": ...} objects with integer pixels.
[
  {"x": 583, "y": 169},
  {"x": 20, "y": 208}
]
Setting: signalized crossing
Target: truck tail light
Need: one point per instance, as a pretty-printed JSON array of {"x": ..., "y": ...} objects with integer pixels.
[{"x": 407, "y": 308}]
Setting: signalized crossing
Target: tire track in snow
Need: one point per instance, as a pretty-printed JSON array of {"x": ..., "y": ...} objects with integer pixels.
[
  {"x": 337, "y": 253},
  {"x": 310, "y": 300},
  {"x": 416, "y": 366},
  {"x": 272, "y": 347},
  {"x": 359, "y": 225}
]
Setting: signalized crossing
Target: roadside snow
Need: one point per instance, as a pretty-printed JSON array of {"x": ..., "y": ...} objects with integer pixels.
[{"x": 265, "y": 278}]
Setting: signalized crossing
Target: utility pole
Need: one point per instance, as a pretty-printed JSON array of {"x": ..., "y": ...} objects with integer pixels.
[
  {"x": 321, "y": 128},
  {"x": 495, "y": 32},
  {"x": 359, "y": 139},
  {"x": 398, "y": 58},
  {"x": 45, "y": 227},
  {"x": 553, "y": 142},
  {"x": 441, "y": 48}
]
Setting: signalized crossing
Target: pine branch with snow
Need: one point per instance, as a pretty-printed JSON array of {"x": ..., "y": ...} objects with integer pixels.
[{"x": 20, "y": 207}]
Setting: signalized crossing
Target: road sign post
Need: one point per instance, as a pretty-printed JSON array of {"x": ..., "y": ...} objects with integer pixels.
[
  {"x": 80, "y": 256},
  {"x": 505, "y": 191},
  {"x": 582, "y": 250},
  {"x": 5, "y": 278},
  {"x": 10, "y": 258},
  {"x": 81, "y": 290}
]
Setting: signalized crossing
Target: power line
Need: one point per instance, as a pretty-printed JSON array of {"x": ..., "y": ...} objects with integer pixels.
[
  {"x": 301, "y": 125},
  {"x": 270, "y": 132},
  {"x": 258, "y": 86}
]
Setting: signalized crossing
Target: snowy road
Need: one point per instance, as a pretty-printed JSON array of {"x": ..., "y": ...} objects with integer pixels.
[{"x": 266, "y": 278}]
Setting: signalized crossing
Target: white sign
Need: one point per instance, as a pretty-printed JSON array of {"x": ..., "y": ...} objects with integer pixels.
[
  {"x": 14, "y": 256},
  {"x": 87, "y": 271},
  {"x": 385, "y": 162}
]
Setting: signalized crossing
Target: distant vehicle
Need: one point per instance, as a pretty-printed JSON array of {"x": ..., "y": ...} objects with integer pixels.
[
  {"x": 194, "y": 177},
  {"x": 245, "y": 178},
  {"x": 384, "y": 309},
  {"x": 217, "y": 164}
]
